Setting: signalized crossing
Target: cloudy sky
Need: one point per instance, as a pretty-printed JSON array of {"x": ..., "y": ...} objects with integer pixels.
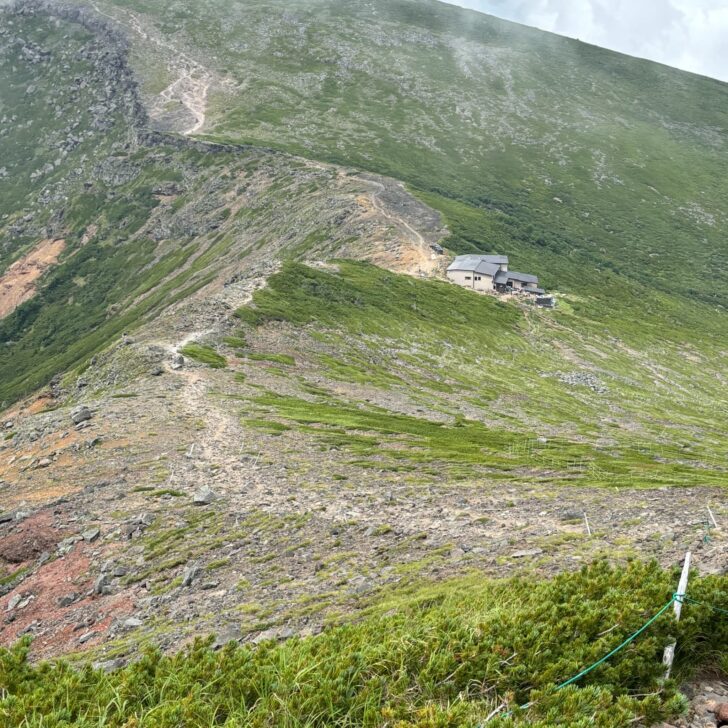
[{"x": 688, "y": 34}]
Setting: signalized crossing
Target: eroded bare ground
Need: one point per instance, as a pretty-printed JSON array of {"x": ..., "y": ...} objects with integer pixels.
[
  {"x": 109, "y": 550},
  {"x": 18, "y": 283}
]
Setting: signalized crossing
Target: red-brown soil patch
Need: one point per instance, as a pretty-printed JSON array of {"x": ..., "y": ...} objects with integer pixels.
[
  {"x": 56, "y": 629},
  {"x": 17, "y": 284},
  {"x": 29, "y": 539},
  {"x": 40, "y": 404}
]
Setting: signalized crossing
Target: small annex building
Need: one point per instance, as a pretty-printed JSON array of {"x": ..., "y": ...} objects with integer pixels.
[{"x": 490, "y": 273}]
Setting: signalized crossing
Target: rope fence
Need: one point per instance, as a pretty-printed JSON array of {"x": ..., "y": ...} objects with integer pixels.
[{"x": 677, "y": 597}]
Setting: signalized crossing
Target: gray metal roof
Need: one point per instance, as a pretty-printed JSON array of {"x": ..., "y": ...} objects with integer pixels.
[
  {"x": 511, "y": 275},
  {"x": 488, "y": 269},
  {"x": 523, "y": 277},
  {"x": 472, "y": 261}
]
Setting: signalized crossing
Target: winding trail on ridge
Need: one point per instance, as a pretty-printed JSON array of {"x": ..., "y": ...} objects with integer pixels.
[{"x": 192, "y": 84}]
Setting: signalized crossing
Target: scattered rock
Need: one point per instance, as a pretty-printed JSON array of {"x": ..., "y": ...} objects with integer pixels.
[
  {"x": 275, "y": 633},
  {"x": 86, "y": 637},
  {"x": 100, "y": 584},
  {"x": 67, "y": 544},
  {"x": 582, "y": 379},
  {"x": 361, "y": 585},
  {"x": 178, "y": 362},
  {"x": 721, "y": 713},
  {"x": 227, "y": 635},
  {"x": 110, "y": 665},
  {"x": 189, "y": 575},
  {"x": 133, "y": 622},
  {"x": 204, "y": 497},
  {"x": 525, "y": 553},
  {"x": 268, "y": 634},
  {"x": 80, "y": 414},
  {"x": 19, "y": 601},
  {"x": 91, "y": 535},
  {"x": 68, "y": 599}
]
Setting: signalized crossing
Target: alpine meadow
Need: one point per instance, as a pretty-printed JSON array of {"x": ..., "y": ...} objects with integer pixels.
[{"x": 286, "y": 436}]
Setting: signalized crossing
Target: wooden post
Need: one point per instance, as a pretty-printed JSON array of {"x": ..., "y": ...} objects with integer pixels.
[
  {"x": 712, "y": 517},
  {"x": 586, "y": 521},
  {"x": 682, "y": 587}
]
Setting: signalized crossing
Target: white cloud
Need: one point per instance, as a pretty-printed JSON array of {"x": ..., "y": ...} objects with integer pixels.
[{"x": 687, "y": 34}]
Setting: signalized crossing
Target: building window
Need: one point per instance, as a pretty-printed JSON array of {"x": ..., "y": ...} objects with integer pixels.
[
  {"x": 467, "y": 278},
  {"x": 477, "y": 278}
]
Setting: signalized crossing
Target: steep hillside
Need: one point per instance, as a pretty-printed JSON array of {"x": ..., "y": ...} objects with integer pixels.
[
  {"x": 587, "y": 163},
  {"x": 105, "y": 224}
]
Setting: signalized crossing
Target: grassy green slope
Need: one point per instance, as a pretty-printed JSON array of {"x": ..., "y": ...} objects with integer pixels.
[
  {"x": 508, "y": 393},
  {"x": 585, "y": 161},
  {"x": 602, "y": 173}
]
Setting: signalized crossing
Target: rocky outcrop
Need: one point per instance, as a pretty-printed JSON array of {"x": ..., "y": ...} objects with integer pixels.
[{"x": 120, "y": 77}]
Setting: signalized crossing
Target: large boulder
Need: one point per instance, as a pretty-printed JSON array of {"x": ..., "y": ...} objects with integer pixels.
[{"x": 80, "y": 414}]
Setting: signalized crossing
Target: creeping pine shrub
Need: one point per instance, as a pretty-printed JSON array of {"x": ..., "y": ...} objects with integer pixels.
[
  {"x": 441, "y": 655},
  {"x": 205, "y": 355}
]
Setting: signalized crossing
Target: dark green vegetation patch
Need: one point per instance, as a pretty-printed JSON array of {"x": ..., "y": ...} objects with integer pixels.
[{"x": 205, "y": 355}]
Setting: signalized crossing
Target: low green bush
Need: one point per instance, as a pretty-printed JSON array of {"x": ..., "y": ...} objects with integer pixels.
[
  {"x": 441, "y": 655},
  {"x": 205, "y": 355},
  {"x": 286, "y": 359}
]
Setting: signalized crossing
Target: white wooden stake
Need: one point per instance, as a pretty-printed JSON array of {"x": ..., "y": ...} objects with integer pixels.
[
  {"x": 712, "y": 517},
  {"x": 682, "y": 587},
  {"x": 588, "y": 529}
]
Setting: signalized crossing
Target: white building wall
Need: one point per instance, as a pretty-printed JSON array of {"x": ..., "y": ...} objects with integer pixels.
[
  {"x": 461, "y": 277},
  {"x": 484, "y": 284},
  {"x": 469, "y": 279}
]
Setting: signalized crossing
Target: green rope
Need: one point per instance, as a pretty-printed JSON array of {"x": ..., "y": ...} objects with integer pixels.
[
  {"x": 629, "y": 639},
  {"x": 619, "y": 647},
  {"x": 702, "y": 604},
  {"x": 681, "y": 598}
]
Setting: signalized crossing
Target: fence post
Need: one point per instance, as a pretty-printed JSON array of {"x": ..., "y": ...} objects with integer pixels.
[{"x": 682, "y": 587}]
